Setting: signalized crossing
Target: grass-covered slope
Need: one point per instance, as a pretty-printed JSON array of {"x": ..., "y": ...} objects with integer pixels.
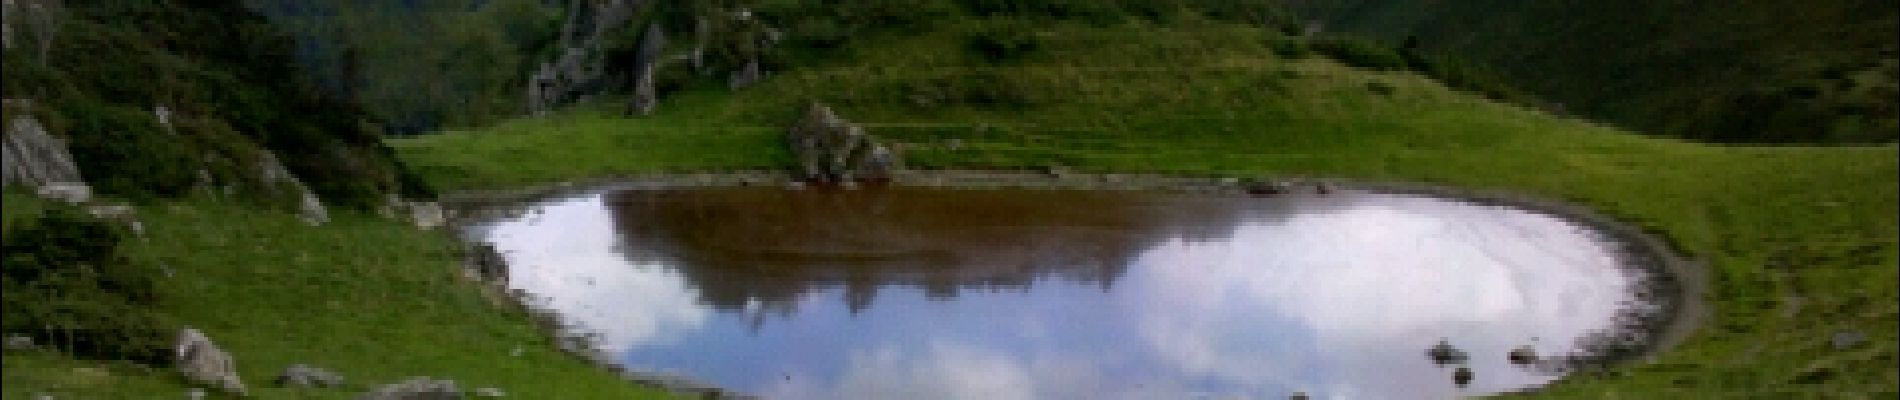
[
  {"x": 371, "y": 298},
  {"x": 1801, "y": 242},
  {"x": 1757, "y": 71}
]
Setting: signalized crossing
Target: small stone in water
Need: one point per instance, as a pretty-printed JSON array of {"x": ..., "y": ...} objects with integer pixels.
[{"x": 1462, "y": 376}]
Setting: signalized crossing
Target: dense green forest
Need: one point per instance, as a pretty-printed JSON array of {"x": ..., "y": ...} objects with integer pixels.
[
  {"x": 1747, "y": 71},
  {"x": 419, "y": 65}
]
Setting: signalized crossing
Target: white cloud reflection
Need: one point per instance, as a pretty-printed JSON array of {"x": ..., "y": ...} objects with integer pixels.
[
  {"x": 1372, "y": 287},
  {"x": 562, "y": 253}
]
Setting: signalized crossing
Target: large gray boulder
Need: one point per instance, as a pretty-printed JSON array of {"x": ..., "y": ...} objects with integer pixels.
[
  {"x": 33, "y": 158},
  {"x": 418, "y": 388},
  {"x": 202, "y": 362},
  {"x": 832, "y": 150}
]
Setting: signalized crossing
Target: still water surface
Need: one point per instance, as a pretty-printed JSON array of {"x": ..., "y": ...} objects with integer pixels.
[{"x": 1014, "y": 294}]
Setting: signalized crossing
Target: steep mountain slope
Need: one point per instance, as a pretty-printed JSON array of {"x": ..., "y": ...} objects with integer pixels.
[
  {"x": 1747, "y": 71},
  {"x": 161, "y": 98}
]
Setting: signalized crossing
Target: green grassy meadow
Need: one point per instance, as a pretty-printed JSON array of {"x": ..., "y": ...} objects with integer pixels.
[{"x": 1800, "y": 241}]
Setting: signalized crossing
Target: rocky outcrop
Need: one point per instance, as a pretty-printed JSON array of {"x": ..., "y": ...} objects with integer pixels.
[
  {"x": 581, "y": 65},
  {"x": 418, "y": 388},
  {"x": 646, "y": 61},
  {"x": 580, "y": 68},
  {"x": 832, "y": 150},
  {"x": 202, "y": 362},
  {"x": 309, "y": 207},
  {"x": 34, "y": 158}
]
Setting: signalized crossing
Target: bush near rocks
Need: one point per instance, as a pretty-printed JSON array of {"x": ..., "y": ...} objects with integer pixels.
[{"x": 67, "y": 286}]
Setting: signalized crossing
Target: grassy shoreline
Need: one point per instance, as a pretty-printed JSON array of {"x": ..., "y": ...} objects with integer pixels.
[{"x": 371, "y": 298}]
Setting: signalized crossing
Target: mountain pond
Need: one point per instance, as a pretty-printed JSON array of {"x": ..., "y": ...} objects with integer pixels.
[{"x": 913, "y": 293}]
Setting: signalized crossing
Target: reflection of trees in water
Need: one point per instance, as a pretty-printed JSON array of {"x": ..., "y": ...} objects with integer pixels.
[{"x": 770, "y": 246}]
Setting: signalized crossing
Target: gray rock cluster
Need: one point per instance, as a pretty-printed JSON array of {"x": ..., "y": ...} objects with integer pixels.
[
  {"x": 832, "y": 150},
  {"x": 202, "y": 362},
  {"x": 580, "y": 69},
  {"x": 582, "y": 63}
]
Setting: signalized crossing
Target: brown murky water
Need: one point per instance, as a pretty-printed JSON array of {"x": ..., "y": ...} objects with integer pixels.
[{"x": 1014, "y": 294}]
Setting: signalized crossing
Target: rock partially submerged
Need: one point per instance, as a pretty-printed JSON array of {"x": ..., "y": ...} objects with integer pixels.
[
  {"x": 1523, "y": 355},
  {"x": 832, "y": 150},
  {"x": 1462, "y": 376},
  {"x": 202, "y": 362},
  {"x": 1443, "y": 354}
]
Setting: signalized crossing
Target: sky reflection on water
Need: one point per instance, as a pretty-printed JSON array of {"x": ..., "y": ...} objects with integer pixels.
[{"x": 1061, "y": 295}]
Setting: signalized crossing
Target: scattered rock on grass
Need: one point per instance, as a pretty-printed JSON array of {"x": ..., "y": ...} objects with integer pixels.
[
  {"x": 19, "y": 342},
  {"x": 417, "y": 388},
  {"x": 304, "y": 375},
  {"x": 1844, "y": 340},
  {"x": 204, "y": 363}
]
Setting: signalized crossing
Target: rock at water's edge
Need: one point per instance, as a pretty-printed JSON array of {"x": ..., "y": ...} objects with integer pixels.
[{"x": 832, "y": 150}]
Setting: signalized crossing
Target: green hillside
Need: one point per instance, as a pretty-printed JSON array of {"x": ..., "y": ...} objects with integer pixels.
[
  {"x": 1747, "y": 71},
  {"x": 219, "y": 245},
  {"x": 1774, "y": 224}
]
